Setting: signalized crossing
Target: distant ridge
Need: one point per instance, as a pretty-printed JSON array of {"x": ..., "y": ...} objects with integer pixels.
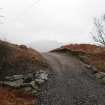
[{"x": 45, "y": 45}]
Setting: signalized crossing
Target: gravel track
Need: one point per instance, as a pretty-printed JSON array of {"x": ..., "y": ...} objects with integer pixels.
[{"x": 70, "y": 83}]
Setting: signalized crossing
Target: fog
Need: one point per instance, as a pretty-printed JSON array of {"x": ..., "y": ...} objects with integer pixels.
[
  {"x": 44, "y": 45},
  {"x": 64, "y": 21}
]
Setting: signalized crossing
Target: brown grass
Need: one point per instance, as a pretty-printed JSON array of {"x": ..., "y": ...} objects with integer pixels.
[
  {"x": 14, "y": 97},
  {"x": 16, "y": 59},
  {"x": 90, "y": 54}
]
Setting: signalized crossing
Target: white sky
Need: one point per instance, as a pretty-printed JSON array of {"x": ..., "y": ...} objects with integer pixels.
[{"x": 61, "y": 20}]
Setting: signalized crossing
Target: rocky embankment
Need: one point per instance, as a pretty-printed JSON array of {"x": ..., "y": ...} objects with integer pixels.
[
  {"x": 30, "y": 82},
  {"x": 100, "y": 76},
  {"x": 18, "y": 59},
  {"x": 21, "y": 69}
]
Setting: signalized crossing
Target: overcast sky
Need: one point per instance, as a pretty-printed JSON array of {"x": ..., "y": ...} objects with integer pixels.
[{"x": 61, "y": 20}]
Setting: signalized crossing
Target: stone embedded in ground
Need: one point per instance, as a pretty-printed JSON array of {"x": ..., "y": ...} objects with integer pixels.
[
  {"x": 88, "y": 66},
  {"x": 92, "y": 68},
  {"x": 29, "y": 82},
  {"x": 42, "y": 75},
  {"x": 34, "y": 85},
  {"x": 14, "y": 77},
  {"x": 27, "y": 89},
  {"x": 39, "y": 81},
  {"x": 100, "y": 75},
  {"x": 34, "y": 92},
  {"x": 14, "y": 84}
]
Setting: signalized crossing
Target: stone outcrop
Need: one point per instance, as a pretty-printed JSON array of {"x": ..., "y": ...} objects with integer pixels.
[
  {"x": 92, "y": 68},
  {"x": 29, "y": 82},
  {"x": 100, "y": 75}
]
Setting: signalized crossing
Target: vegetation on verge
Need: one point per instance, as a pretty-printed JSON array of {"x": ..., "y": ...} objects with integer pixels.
[
  {"x": 90, "y": 54},
  {"x": 15, "y": 97}
]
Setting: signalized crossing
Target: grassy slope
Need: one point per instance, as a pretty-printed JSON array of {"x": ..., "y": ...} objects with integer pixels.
[
  {"x": 15, "y": 59},
  {"x": 18, "y": 59},
  {"x": 90, "y": 54},
  {"x": 14, "y": 97}
]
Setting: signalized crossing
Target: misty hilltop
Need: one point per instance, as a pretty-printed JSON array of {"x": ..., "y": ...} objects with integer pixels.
[{"x": 44, "y": 45}]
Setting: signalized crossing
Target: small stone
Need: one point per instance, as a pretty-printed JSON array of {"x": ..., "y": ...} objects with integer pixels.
[
  {"x": 100, "y": 75},
  {"x": 27, "y": 89},
  {"x": 33, "y": 84},
  {"x": 34, "y": 92},
  {"x": 15, "y": 84},
  {"x": 94, "y": 69},
  {"x": 88, "y": 66},
  {"x": 42, "y": 75},
  {"x": 14, "y": 77},
  {"x": 39, "y": 81}
]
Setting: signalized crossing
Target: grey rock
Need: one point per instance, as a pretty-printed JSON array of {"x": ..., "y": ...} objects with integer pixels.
[
  {"x": 34, "y": 85},
  {"x": 88, "y": 66},
  {"x": 100, "y": 75},
  {"x": 14, "y": 77},
  {"x": 34, "y": 92},
  {"x": 42, "y": 75},
  {"x": 27, "y": 89},
  {"x": 92, "y": 68},
  {"x": 39, "y": 81},
  {"x": 29, "y": 82},
  {"x": 14, "y": 84}
]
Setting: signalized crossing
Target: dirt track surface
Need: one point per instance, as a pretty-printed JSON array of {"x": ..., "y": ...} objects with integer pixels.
[{"x": 70, "y": 83}]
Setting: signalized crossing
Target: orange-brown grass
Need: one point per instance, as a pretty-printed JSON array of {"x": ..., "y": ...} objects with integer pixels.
[
  {"x": 14, "y": 97},
  {"x": 90, "y": 54},
  {"x": 18, "y": 59}
]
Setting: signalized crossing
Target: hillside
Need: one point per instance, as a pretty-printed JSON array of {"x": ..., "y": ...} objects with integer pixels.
[
  {"x": 15, "y": 59},
  {"x": 90, "y": 54},
  {"x": 20, "y": 74}
]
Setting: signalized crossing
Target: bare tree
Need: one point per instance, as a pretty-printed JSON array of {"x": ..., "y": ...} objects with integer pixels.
[{"x": 99, "y": 34}]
